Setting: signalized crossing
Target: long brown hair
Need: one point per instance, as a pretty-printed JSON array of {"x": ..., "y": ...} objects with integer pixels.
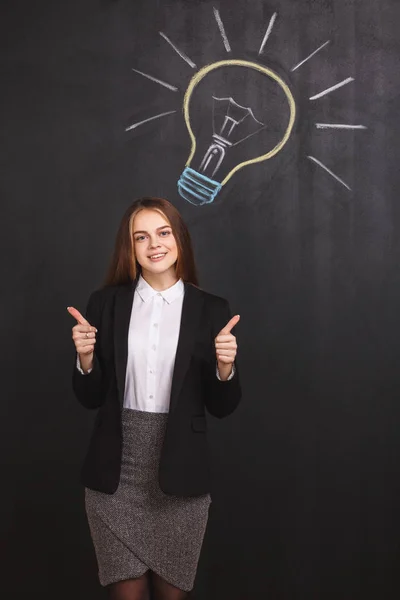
[{"x": 124, "y": 267}]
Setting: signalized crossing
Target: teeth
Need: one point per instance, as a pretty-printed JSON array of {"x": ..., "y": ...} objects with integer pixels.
[{"x": 157, "y": 256}]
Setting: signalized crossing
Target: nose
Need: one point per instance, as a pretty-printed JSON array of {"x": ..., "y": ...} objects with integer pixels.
[{"x": 154, "y": 243}]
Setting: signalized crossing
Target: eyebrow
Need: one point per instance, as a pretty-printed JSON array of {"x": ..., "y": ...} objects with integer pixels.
[{"x": 158, "y": 229}]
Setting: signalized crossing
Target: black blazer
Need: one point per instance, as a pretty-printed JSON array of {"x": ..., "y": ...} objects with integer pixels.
[{"x": 184, "y": 469}]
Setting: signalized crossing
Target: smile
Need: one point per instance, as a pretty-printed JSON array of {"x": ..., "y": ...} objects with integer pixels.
[{"x": 157, "y": 257}]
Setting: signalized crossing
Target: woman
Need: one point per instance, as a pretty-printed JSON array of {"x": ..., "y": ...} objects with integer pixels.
[{"x": 153, "y": 352}]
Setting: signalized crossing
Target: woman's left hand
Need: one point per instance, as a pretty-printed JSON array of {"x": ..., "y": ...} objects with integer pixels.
[{"x": 226, "y": 347}]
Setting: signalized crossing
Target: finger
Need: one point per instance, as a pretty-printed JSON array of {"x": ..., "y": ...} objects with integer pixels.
[
  {"x": 230, "y": 325},
  {"x": 86, "y": 350},
  {"x": 77, "y": 315},
  {"x": 84, "y": 328},
  {"x": 84, "y": 336},
  {"x": 84, "y": 343},
  {"x": 225, "y": 360},
  {"x": 79, "y": 338},
  {"x": 227, "y": 351},
  {"x": 230, "y": 344},
  {"x": 230, "y": 353},
  {"x": 77, "y": 335},
  {"x": 225, "y": 338}
]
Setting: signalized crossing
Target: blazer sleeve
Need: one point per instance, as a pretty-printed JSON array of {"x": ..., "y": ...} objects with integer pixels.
[
  {"x": 221, "y": 397},
  {"x": 89, "y": 388}
]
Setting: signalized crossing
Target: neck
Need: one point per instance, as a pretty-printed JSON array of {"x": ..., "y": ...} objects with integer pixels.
[{"x": 160, "y": 281}]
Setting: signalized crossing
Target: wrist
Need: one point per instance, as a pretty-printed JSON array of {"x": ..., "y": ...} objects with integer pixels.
[
  {"x": 224, "y": 370},
  {"x": 86, "y": 361}
]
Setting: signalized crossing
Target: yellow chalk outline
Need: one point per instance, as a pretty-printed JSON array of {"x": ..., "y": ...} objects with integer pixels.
[{"x": 239, "y": 63}]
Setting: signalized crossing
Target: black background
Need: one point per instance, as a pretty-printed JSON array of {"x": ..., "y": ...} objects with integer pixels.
[{"x": 306, "y": 485}]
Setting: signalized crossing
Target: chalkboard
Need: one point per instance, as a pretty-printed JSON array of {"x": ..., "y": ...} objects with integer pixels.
[{"x": 101, "y": 102}]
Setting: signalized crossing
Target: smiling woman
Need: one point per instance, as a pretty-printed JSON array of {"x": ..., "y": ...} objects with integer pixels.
[
  {"x": 153, "y": 353},
  {"x": 151, "y": 221},
  {"x": 154, "y": 243}
]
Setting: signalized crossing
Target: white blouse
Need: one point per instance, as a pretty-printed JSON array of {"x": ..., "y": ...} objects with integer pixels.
[{"x": 152, "y": 342}]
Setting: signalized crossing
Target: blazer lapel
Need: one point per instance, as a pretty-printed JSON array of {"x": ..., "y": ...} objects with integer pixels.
[
  {"x": 191, "y": 312},
  {"x": 122, "y": 316}
]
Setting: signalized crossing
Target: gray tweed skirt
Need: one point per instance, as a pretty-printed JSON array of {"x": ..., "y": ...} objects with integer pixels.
[{"x": 139, "y": 527}]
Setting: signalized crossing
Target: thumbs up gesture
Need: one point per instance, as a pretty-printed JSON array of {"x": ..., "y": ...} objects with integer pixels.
[
  {"x": 226, "y": 347},
  {"x": 84, "y": 336}
]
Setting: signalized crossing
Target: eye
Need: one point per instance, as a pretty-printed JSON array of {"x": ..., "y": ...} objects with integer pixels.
[
  {"x": 139, "y": 238},
  {"x": 165, "y": 233}
]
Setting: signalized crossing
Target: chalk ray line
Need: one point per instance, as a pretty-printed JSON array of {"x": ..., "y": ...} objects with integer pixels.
[
  {"x": 167, "y": 85},
  {"x": 333, "y": 88},
  {"x": 268, "y": 32},
  {"x": 180, "y": 52},
  {"x": 320, "y": 164},
  {"x": 222, "y": 29},
  {"x": 170, "y": 112},
  {"x": 338, "y": 126},
  {"x": 310, "y": 56}
]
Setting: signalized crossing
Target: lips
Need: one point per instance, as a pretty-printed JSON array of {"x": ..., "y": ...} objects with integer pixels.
[{"x": 158, "y": 256}]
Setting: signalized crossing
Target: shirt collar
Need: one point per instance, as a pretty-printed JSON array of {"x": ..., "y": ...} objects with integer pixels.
[{"x": 146, "y": 292}]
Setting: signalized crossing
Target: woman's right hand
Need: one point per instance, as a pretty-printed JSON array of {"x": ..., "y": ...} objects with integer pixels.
[{"x": 84, "y": 337}]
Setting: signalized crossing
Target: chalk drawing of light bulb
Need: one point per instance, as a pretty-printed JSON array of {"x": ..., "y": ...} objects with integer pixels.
[
  {"x": 232, "y": 125},
  {"x": 228, "y": 120}
]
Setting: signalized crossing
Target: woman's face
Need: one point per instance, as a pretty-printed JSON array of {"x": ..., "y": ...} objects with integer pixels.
[{"x": 155, "y": 246}]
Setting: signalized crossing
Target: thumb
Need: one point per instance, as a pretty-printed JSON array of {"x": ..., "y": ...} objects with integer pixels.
[
  {"x": 230, "y": 325},
  {"x": 77, "y": 315}
]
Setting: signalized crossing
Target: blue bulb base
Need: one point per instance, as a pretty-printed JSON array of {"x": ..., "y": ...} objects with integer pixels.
[{"x": 197, "y": 188}]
